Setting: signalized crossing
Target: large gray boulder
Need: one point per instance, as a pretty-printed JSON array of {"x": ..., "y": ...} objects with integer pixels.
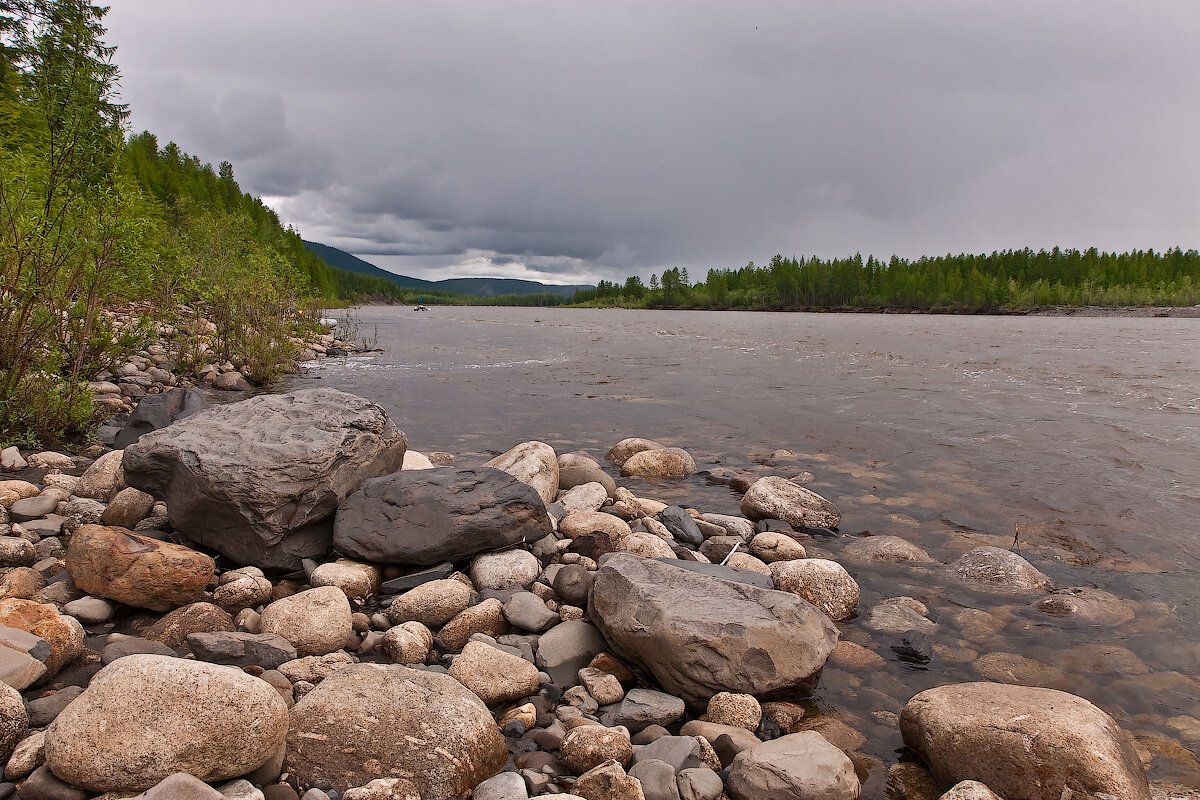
[
  {"x": 372, "y": 721},
  {"x": 144, "y": 717},
  {"x": 428, "y": 516},
  {"x": 260, "y": 480},
  {"x": 1024, "y": 743},
  {"x": 701, "y": 635},
  {"x": 156, "y": 411}
]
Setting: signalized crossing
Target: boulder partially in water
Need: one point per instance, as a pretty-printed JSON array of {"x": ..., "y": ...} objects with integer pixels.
[
  {"x": 701, "y": 635},
  {"x": 773, "y": 497},
  {"x": 260, "y": 480},
  {"x": 1024, "y": 743}
]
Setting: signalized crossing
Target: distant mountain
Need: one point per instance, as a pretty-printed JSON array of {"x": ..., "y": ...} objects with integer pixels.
[
  {"x": 481, "y": 287},
  {"x": 343, "y": 260}
]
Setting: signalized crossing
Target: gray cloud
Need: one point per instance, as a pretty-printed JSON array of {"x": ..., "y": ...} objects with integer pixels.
[{"x": 596, "y": 140}]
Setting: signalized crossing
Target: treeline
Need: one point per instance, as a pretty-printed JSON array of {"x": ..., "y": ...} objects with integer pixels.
[
  {"x": 91, "y": 222},
  {"x": 1012, "y": 280}
]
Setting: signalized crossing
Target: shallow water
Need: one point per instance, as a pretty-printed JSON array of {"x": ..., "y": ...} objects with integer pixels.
[{"x": 1083, "y": 434}]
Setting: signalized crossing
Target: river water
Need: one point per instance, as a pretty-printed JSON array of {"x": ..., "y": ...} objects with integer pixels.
[{"x": 1078, "y": 437}]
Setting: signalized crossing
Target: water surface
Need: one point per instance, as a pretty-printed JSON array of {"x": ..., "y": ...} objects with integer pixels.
[{"x": 1079, "y": 437}]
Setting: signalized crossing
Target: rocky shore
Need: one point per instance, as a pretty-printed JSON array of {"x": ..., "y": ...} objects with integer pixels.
[{"x": 275, "y": 598}]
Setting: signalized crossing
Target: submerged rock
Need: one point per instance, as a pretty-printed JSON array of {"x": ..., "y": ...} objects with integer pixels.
[{"x": 701, "y": 635}]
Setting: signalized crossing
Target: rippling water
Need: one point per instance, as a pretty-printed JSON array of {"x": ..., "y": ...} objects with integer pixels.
[{"x": 951, "y": 432}]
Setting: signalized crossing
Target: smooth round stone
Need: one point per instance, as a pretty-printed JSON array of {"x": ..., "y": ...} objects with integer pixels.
[
  {"x": 407, "y": 643},
  {"x": 527, "y": 611},
  {"x": 504, "y": 570},
  {"x": 588, "y": 746},
  {"x": 90, "y": 610},
  {"x": 771, "y": 546},
  {"x": 738, "y": 710}
]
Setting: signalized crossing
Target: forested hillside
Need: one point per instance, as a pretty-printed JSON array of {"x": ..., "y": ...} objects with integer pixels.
[
  {"x": 92, "y": 222},
  {"x": 1013, "y": 280}
]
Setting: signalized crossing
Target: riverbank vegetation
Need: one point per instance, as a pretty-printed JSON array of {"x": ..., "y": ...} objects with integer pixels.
[
  {"x": 93, "y": 223},
  {"x": 1009, "y": 281}
]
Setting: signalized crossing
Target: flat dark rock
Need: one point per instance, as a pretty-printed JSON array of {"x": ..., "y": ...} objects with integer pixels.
[
  {"x": 157, "y": 411},
  {"x": 433, "y": 515}
]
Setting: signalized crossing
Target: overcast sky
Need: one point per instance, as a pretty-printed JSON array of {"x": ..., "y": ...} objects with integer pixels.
[{"x": 573, "y": 141}]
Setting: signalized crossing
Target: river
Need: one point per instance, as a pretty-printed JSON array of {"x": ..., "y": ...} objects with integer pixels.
[{"x": 1077, "y": 437}]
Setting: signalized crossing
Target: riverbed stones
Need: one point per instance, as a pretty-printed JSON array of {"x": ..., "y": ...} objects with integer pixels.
[
  {"x": 241, "y": 649},
  {"x": 172, "y": 629},
  {"x": 64, "y": 634},
  {"x": 900, "y": 614},
  {"x": 567, "y": 648},
  {"x": 424, "y": 517},
  {"x": 527, "y": 611},
  {"x": 372, "y": 721},
  {"x": 532, "y": 463},
  {"x": 663, "y": 462},
  {"x": 155, "y": 411},
  {"x": 127, "y": 508},
  {"x": 316, "y": 621},
  {"x": 799, "y": 766},
  {"x": 260, "y": 480},
  {"x": 621, "y": 452},
  {"x": 11, "y": 460},
  {"x": 581, "y": 523},
  {"x": 16, "y": 552},
  {"x": 772, "y": 546},
  {"x": 883, "y": 549},
  {"x": 407, "y": 643},
  {"x": 773, "y": 497},
  {"x": 824, "y": 583},
  {"x": 120, "y": 565},
  {"x": 584, "y": 497},
  {"x": 31, "y": 508},
  {"x": 504, "y": 570},
  {"x": 494, "y": 675},
  {"x": 163, "y": 715},
  {"x": 486, "y": 617},
  {"x": 580, "y": 474},
  {"x": 1024, "y": 743},
  {"x": 1086, "y": 605},
  {"x": 588, "y": 746},
  {"x": 354, "y": 578},
  {"x": 242, "y": 588},
  {"x": 738, "y": 710},
  {"x": 701, "y": 635},
  {"x": 433, "y": 604},
  {"x": 998, "y": 570},
  {"x": 14, "y": 721}
]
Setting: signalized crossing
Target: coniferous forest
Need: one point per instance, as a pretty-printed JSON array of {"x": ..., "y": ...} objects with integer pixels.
[{"x": 1009, "y": 281}]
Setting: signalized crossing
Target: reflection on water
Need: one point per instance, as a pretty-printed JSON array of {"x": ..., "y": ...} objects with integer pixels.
[{"x": 1081, "y": 434}]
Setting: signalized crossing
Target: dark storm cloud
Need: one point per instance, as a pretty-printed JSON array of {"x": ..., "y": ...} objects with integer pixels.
[{"x": 593, "y": 140}]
